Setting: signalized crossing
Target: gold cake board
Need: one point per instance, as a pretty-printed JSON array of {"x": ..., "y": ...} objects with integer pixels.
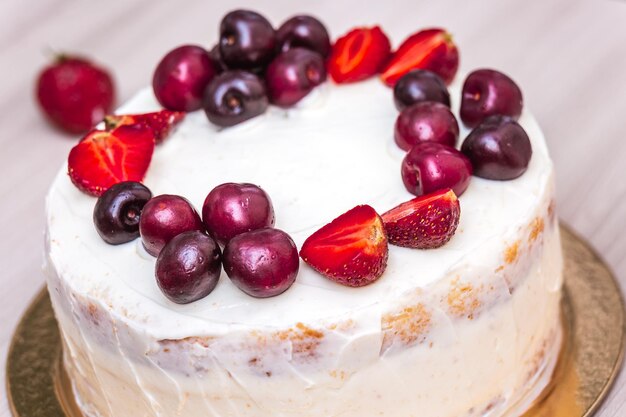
[{"x": 593, "y": 316}]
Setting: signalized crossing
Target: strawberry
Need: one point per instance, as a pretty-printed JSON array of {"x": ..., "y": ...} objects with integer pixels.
[
  {"x": 161, "y": 122},
  {"x": 426, "y": 222},
  {"x": 358, "y": 55},
  {"x": 429, "y": 49},
  {"x": 102, "y": 159},
  {"x": 74, "y": 93},
  {"x": 351, "y": 250}
]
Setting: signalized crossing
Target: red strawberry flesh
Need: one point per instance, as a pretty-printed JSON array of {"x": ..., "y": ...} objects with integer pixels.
[
  {"x": 358, "y": 55},
  {"x": 102, "y": 159},
  {"x": 351, "y": 250},
  {"x": 161, "y": 122},
  {"x": 425, "y": 222},
  {"x": 429, "y": 49}
]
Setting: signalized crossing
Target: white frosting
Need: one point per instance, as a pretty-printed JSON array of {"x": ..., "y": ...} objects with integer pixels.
[
  {"x": 340, "y": 155},
  {"x": 330, "y": 153}
]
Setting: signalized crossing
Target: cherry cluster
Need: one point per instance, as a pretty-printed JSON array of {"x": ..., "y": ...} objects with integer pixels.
[
  {"x": 497, "y": 148},
  {"x": 259, "y": 259},
  {"x": 251, "y": 66}
]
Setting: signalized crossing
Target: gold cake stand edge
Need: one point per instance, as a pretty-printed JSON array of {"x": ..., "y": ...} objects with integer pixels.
[
  {"x": 593, "y": 316},
  {"x": 594, "y": 319}
]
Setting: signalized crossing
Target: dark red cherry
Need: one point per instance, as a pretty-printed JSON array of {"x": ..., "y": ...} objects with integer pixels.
[
  {"x": 164, "y": 217},
  {"x": 430, "y": 166},
  {"x": 427, "y": 121},
  {"x": 303, "y": 32},
  {"x": 231, "y": 209},
  {"x": 488, "y": 92},
  {"x": 216, "y": 57},
  {"x": 234, "y": 97},
  {"x": 189, "y": 266},
  {"x": 117, "y": 212},
  {"x": 499, "y": 148},
  {"x": 420, "y": 85},
  {"x": 247, "y": 40},
  {"x": 262, "y": 263},
  {"x": 181, "y": 77},
  {"x": 293, "y": 74}
]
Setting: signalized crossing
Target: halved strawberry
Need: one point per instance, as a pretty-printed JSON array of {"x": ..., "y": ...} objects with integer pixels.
[
  {"x": 426, "y": 222},
  {"x": 161, "y": 122},
  {"x": 351, "y": 250},
  {"x": 358, "y": 55},
  {"x": 429, "y": 49},
  {"x": 102, "y": 159}
]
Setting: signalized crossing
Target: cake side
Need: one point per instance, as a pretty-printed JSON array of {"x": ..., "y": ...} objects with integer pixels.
[{"x": 308, "y": 372}]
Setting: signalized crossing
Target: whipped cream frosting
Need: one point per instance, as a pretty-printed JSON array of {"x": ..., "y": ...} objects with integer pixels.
[
  {"x": 342, "y": 154},
  {"x": 468, "y": 329}
]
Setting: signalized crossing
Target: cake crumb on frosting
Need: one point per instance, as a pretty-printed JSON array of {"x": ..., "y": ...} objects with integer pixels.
[
  {"x": 204, "y": 341},
  {"x": 408, "y": 325},
  {"x": 552, "y": 210},
  {"x": 304, "y": 340},
  {"x": 342, "y": 325},
  {"x": 511, "y": 253},
  {"x": 463, "y": 299},
  {"x": 536, "y": 228}
]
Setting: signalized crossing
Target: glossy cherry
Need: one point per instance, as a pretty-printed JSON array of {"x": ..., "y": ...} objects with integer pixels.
[
  {"x": 303, "y": 31},
  {"x": 429, "y": 167},
  {"x": 499, "y": 148},
  {"x": 231, "y": 209},
  {"x": 181, "y": 77},
  {"x": 427, "y": 121},
  {"x": 216, "y": 57},
  {"x": 262, "y": 263},
  {"x": 117, "y": 212},
  {"x": 234, "y": 97},
  {"x": 420, "y": 85},
  {"x": 293, "y": 74},
  {"x": 189, "y": 266},
  {"x": 488, "y": 92},
  {"x": 247, "y": 40},
  {"x": 164, "y": 217}
]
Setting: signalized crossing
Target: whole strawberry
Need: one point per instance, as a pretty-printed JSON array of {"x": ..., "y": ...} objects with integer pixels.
[{"x": 75, "y": 94}]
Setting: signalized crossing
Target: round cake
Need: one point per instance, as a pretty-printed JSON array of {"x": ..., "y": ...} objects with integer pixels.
[
  {"x": 465, "y": 329},
  {"x": 471, "y": 328}
]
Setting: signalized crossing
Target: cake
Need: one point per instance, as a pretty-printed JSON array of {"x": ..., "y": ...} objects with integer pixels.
[{"x": 471, "y": 328}]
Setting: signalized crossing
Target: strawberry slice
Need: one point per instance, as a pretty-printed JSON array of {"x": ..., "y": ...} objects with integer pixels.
[
  {"x": 358, "y": 55},
  {"x": 161, "y": 122},
  {"x": 429, "y": 49},
  {"x": 102, "y": 159},
  {"x": 351, "y": 250},
  {"x": 426, "y": 222}
]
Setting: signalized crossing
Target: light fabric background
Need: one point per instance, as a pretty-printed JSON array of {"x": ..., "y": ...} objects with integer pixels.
[{"x": 569, "y": 57}]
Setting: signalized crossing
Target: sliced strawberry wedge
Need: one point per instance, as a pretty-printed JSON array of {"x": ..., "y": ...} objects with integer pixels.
[
  {"x": 102, "y": 159},
  {"x": 358, "y": 55},
  {"x": 351, "y": 250},
  {"x": 429, "y": 49},
  {"x": 161, "y": 122},
  {"x": 426, "y": 222}
]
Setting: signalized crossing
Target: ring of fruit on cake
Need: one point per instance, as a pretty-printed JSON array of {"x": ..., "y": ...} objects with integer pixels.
[{"x": 285, "y": 226}]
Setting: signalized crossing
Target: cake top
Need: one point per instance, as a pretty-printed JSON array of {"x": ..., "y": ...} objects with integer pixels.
[
  {"x": 332, "y": 151},
  {"x": 286, "y": 166}
]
